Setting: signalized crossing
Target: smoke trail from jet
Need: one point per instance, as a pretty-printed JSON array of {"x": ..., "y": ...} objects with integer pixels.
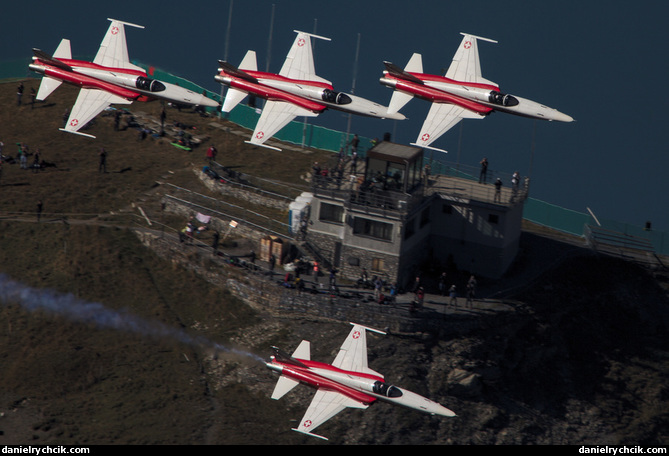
[{"x": 75, "y": 309}]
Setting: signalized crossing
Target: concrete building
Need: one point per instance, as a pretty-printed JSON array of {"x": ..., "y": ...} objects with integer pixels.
[{"x": 392, "y": 218}]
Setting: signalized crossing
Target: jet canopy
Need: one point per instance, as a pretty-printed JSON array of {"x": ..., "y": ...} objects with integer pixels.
[
  {"x": 502, "y": 99},
  {"x": 149, "y": 85},
  {"x": 330, "y": 96},
  {"x": 383, "y": 389}
]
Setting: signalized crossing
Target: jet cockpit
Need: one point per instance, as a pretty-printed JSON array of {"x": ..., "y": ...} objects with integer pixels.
[
  {"x": 149, "y": 85},
  {"x": 330, "y": 96},
  {"x": 383, "y": 389},
  {"x": 502, "y": 99}
]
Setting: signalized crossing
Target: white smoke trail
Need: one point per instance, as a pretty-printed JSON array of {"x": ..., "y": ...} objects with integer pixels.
[{"x": 74, "y": 309}]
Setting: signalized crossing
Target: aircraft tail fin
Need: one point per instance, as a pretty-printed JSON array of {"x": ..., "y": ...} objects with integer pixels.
[
  {"x": 51, "y": 60},
  {"x": 235, "y": 71},
  {"x": 286, "y": 384},
  {"x": 406, "y": 73},
  {"x": 48, "y": 85},
  {"x": 63, "y": 51},
  {"x": 249, "y": 62}
]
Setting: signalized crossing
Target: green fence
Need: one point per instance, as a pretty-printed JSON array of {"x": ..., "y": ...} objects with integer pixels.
[{"x": 308, "y": 135}]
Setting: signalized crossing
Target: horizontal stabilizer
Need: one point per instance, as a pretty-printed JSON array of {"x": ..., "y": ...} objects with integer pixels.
[
  {"x": 232, "y": 99},
  {"x": 283, "y": 386},
  {"x": 400, "y": 73},
  {"x": 46, "y": 87},
  {"x": 234, "y": 71},
  {"x": 398, "y": 100},
  {"x": 46, "y": 58}
]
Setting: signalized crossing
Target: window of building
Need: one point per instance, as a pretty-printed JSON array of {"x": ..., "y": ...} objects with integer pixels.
[
  {"x": 372, "y": 228},
  {"x": 331, "y": 213},
  {"x": 378, "y": 265}
]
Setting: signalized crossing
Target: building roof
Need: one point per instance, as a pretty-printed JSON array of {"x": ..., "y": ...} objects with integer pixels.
[{"x": 396, "y": 153}]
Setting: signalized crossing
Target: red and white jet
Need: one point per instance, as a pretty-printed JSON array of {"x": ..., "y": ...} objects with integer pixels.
[
  {"x": 347, "y": 382},
  {"x": 109, "y": 79},
  {"x": 295, "y": 91},
  {"x": 461, "y": 93}
]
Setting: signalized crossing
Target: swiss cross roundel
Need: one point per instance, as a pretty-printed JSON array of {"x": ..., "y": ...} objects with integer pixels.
[
  {"x": 260, "y": 135},
  {"x": 74, "y": 122},
  {"x": 425, "y": 137},
  {"x": 300, "y": 42},
  {"x": 356, "y": 335},
  {"x": 308, "y": 423},
  {"x": 468, "y": 44},
  {"x": 114, "y": 30}
]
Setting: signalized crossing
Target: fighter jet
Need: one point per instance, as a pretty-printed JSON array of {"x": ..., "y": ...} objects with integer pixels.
[
  {"x": 295, "y": 91},
  {"x": 347, "y": 382},
  {"x": 461, "y": 93},
  {"x": 109, "y": 79}
]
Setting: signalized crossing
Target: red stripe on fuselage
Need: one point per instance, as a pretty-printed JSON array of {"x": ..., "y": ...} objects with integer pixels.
[
  {"x": 440, "y": 96},
  {"x": 270, "y": 93},
  {"x": 87, "y": 82},
  {"x": 277, "y": 77},
  {"x": 95, "y": 66},
  {"x": 315, "y": 380}
]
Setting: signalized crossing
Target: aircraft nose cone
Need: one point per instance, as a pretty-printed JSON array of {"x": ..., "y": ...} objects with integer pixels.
[
  {"x": 204, "y": 101},
  {"x": 395, "y": 116},
  {"x": 561, "y": 117}
]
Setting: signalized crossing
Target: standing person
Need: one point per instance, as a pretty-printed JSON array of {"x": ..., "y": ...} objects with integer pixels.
[
  {"x": 484, "y": 171},
  {"x": 498, "y": 190},
  {"x": 163, "y": 116},
  {"x": 453, "y": 293},
  {"x": 442, "y": 284},
  {"x": 102, "y": 168},
  {"x": 117, "y": 120},
  {"x": 39, "y": 209},
  {"x": 470, "y": 295},
  {"x": 19, "y": 94},
  {"x": 378, "y": 284},
  {"x": 211, "y": 154},
  {"x": 354, "y": 144},
  {"x": 36, "y": 161},
  {"x": 23, "y": 156},
  {"x": 214, "y": 244},
  {"x": 515, "y": 182}
]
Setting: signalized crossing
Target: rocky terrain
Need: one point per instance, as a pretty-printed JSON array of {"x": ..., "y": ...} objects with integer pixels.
[{"x": 583, "y": 358}]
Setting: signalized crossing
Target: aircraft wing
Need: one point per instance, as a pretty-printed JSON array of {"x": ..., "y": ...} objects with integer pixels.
[
  {"x": 275, "y": 116},
  {"x": 113, "y": 50},
  {"x": 89, "y": 104},
  {"x": 299, "y": 63},
  {"x": 325, "y": 405},
  {"x": 353, "y": 352},
  {"x": 466, "y": 66},
  {"x": 441, "y": 118}
]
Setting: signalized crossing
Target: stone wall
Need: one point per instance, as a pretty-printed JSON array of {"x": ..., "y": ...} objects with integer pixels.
[{"x": 264, "y": 293}]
